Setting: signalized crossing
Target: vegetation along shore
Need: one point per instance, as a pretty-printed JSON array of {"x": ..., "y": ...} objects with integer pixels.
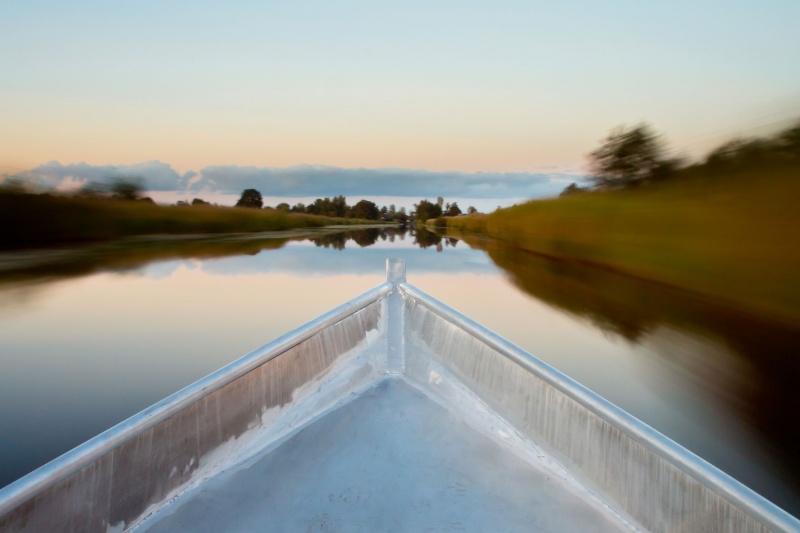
[
  {"x": 727, "y": 227},
  {"x": 29, "y": 219}
]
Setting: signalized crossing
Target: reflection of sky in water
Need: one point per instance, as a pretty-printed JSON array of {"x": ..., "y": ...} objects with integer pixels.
[
  {"x": 305, "y": 259},
  {"x": 96, "y": 349}
]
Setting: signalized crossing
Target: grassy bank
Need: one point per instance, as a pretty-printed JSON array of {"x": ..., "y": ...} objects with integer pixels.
[
  {"x": 28, "y": 220},
  {"x": 735, "y": 239}
]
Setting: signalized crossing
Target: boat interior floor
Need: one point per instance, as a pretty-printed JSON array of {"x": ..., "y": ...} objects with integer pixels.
[{"x": 392, "y": 458}]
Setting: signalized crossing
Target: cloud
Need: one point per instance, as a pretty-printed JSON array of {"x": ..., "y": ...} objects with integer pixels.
[
  {"x": 308, "y": 180},
  {"x": 157, "y": 176}
]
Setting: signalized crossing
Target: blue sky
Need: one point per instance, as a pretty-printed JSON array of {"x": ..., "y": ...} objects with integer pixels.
[{"x": 491, "y": 87}]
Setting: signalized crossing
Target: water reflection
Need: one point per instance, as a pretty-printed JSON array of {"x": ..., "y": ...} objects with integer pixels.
[
  {"x": 23, "y": 272},
  {"x": 20, "y": 271},
  {"x": 130, "y": 322},
  {"x": 131, "y": 254},
  {"x": 749, "y": 363}
]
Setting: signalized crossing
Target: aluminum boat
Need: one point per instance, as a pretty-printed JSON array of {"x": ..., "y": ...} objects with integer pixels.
[{"x": 392, "y": 412}]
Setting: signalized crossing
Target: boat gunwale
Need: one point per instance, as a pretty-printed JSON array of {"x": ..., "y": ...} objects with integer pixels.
[
  {"x": 706, "y": 473},
  {"x": 84, "y": 454}
]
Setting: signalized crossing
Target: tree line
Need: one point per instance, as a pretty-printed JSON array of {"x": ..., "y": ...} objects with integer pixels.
[
  {"x": 132, "y": 189},
  {"x": 637, "y": 156},
  {"x": 338, "y": 207}
]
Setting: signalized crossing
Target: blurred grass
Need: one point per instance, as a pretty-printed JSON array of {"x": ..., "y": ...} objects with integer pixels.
[
  {"x": 29, "y": 220},
  {"x": 733, "y": 237}
]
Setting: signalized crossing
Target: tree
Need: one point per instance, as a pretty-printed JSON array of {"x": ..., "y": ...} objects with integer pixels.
[
  {"x": 427, "y": 210},
  {"x": 336, "y": 207},
  {"x": 571, "y": 189},
  {"x": 453, "y": 210},
  {"x": 789, "y": 141},
  {"x": 366, "y": 210},
  {"x": 126, "y": 189},
  {"x": 283, "y": 206},
  {"x": 626, "y": 157},
  {"x": 199, "y": 201},
  {"x": 251, "y": 198},
  {"x": 339, "y": 207},
  {"x": 93, "y": 190},
  {"x": 471, "y": 210}
]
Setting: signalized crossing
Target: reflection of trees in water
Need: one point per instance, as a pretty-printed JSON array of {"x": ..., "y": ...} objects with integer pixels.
[
  {"x": 331, "y": 240},
  {"x": 368, "y": 237},
  {"x": 425, "y": 238},
  {"x": 362, "y": 237},
  {"x": 124, "y": 255},
  {"x": 41, "y": 266},
  {"x": 760, "y": 379}
]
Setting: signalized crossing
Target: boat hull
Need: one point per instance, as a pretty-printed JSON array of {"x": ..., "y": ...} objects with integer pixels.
[{"x": 143, "y": 471}]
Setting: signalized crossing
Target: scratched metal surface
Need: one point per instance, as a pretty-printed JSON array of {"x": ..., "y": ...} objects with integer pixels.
[
  {"x": 390, "y": 460},
  {"x": 392, "y": 412}
]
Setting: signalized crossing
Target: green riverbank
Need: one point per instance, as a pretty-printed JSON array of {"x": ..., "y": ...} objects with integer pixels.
[
  {"x": 31, "y": 220},
  {"x": 733, "y": 238}
]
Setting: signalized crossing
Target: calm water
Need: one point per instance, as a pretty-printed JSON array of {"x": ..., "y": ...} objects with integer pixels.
[{"x": 89, "y": 337}]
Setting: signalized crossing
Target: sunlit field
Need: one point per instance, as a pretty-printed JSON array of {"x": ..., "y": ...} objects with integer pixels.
[
  {"x": 730, "y": 236},
  {"x": 36, "y": 220}
]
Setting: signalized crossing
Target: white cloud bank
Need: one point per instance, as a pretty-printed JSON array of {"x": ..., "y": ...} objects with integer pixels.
[
  {"x": 308, "y": 180},
  {"x": 157, "y": 176}
]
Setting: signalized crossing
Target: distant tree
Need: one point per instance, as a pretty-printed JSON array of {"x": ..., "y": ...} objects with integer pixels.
[
  {"x": 572, "y": 189},
  {"x": 199, "y": 201},
  {"x": 93, "y": 190},
  {"x": 440, "y": 201},
  {"x": 329, "y": 207},
  {"x": 789, "y": 142},
  {"x": 667, "y": 168},
  {"x": 299, "y": 207},
  {"x": 315, "y": 208},
  {"x": 251, "y": 198},
  {"x": 366, "y": 210},
  {"x": 339, "y": 206},
  {"x": 127, "y": 188},
  {"x": 283, "y": 206},
  {"x": 755, "y": 153},
  {"x": 147, "y": 200},
  {"x": 471, "y": 210},
  {"x": 453, "y": 210},
  {"x": 626, "y": 157},
  {"x": 427, "y": 210},
  {"x": 739, "y": 153}
]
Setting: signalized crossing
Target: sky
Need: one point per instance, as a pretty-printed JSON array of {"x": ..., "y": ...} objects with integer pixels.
[{"x": 451, "y": 98}]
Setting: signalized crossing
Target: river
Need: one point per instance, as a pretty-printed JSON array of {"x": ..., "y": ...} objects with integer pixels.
[{"x": 94, "y": 334}]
